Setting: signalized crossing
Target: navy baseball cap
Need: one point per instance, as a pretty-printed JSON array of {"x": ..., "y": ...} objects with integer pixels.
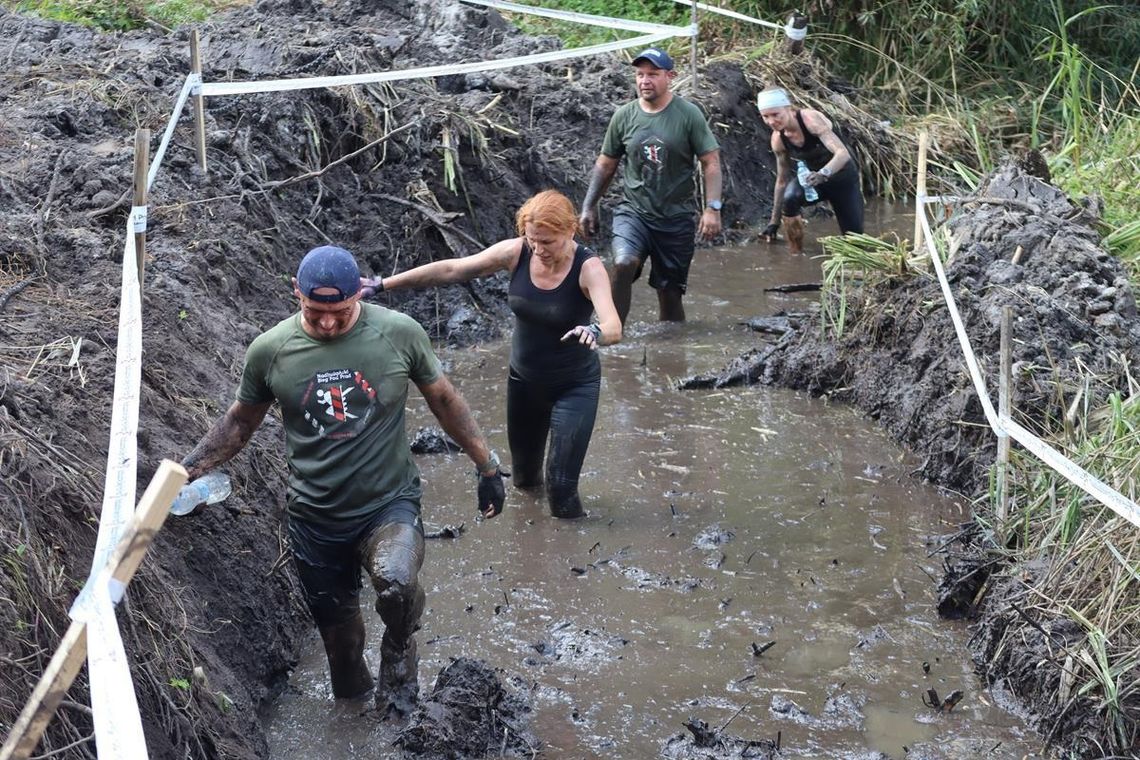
[
  {"x": 328, "y": 267},
  {"x": 656, "y": 56}
]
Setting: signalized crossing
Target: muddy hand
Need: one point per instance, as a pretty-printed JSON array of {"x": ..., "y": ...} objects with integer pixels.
[
  {"x": 370, "y": 286},
  {"x": 588, "y": 335},
  {"x": 815, "y": 178},
  {"x": 588, "y": 221},
  {"x": 491, "y": 494},
  {"x": 710, "y": 224},
  {"x": 769, "y": 233}
]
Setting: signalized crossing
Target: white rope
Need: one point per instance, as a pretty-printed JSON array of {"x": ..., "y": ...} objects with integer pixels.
[
  {"x": 577, "y": 18},
  {"x": 730, "y": 14},
  {"x": 193, "y": 81},
  {"x": 1069, "y": 469},
  {"x": 280, "y": 85}
]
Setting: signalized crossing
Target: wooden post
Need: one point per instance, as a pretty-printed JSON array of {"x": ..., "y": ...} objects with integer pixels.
[
  {"x": 199, "y": 103},
  {"x": 1005, "y": 383},
  {"x": 693, "y": 45},
  {"x": 64, "y": 666},
  {"x": 142, "y": 166},
  {"x": 797, "y": 21},
  {"x": 920, "y": 191}
]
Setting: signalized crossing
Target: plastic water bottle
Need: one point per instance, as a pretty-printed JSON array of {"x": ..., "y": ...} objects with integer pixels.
[
  {"x": 208, "y": 489},
  {"x": 810, "y": 195}
]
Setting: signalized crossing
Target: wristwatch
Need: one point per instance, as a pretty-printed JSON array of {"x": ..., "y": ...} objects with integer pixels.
[
  {"x": 825, "y": 171},
  {"x": 716, "y": 205},
  {"x": 490, "y": 468}
]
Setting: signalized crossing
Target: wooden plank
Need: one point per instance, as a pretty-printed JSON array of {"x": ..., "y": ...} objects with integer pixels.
[{"x": 72, "y": 650}]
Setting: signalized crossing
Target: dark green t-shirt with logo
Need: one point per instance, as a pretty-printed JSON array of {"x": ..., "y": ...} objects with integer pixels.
[
  {"x": 342, "y": 402},
  {"x": 659, "y": 150}
]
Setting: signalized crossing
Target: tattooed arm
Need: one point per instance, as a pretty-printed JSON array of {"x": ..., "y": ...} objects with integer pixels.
[{"x": 226, "y": 438}]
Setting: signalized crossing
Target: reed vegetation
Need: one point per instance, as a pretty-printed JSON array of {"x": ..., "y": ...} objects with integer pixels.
[{"x": 122, "y": 15}]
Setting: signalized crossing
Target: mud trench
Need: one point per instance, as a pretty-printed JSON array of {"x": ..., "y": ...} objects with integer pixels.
[{"x": 754, "y": 559}]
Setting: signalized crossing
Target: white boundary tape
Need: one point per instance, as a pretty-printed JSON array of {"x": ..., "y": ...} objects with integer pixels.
[
  {"x": 577, "y": 18},
  {"x": 731, "y": 14},
  {"x": 1071, "y": 471},
  {"x": 193, "y": 81},
  {"x": 118, "y": 727},
  {"x": 280, "y": 85}
]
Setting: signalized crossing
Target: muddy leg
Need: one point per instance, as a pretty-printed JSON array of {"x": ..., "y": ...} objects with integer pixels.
[
  {"x": 394, "y": 555},
  {"x": 794, "y": 231},
  {"x": 622, "y": 275},
  {"x": 344, "y": 647},
  {"x": 669, "y": 305}
]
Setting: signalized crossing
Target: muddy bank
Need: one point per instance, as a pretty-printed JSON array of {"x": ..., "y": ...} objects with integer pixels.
[
  {"x": 1017, "y": 242},
  {"x": 218, "y": 592}
]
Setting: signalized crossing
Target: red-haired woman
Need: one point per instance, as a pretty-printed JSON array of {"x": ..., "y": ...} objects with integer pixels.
[{"x": 557, "y": 284}]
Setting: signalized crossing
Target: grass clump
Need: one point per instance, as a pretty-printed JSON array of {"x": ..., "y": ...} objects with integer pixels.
[{"x": 122, "y": 15}]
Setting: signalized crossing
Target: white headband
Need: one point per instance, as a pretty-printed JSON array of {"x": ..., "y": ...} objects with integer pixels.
[{"x": 774, "y": 98}]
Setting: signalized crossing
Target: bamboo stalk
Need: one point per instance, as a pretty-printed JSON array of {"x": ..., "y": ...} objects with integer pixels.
[
  {"x": 1005, "y": 382},
  {"x": 693, "y": 45},
  {"x": 920, "y": 193}
]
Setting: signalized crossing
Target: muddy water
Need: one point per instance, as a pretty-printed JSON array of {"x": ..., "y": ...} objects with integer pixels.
[{"x": 717, "y": 521}]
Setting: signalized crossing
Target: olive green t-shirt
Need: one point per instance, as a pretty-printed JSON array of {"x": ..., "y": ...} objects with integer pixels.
[
  {"x": 659, "y": 150},
  {"x": 342, "y": 402}
]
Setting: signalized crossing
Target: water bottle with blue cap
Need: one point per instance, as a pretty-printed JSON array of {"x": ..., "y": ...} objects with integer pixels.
[{"x": 208, "y": 489}]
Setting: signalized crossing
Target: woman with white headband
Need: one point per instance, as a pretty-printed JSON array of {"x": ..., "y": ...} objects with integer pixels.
[{"x": 805, "y": 135}]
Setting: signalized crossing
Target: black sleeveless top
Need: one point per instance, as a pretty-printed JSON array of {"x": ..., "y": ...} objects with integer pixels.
[
  {"x": 542, "y": 317},
  {"x": 813, "y": 152}
]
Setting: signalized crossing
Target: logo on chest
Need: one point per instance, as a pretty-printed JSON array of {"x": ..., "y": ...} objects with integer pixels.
[
  {"x": 653, "y": 154},
  {"x": 338, "y": 403}
]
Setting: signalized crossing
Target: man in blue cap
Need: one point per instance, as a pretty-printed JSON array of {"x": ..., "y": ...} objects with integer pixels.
[
  {"x": 339, "y": 369},
  {"x": 658, "y": 134}
]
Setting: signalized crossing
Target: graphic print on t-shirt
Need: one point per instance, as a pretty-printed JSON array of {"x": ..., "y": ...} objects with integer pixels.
[
  {"x": 338, "y": 403},
  {"x": 653, "y": 155}
]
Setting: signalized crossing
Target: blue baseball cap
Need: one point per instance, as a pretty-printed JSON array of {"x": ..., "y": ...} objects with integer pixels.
[
  {"x": 656, "y": 56},
  {"x": 328, "y": 267}
]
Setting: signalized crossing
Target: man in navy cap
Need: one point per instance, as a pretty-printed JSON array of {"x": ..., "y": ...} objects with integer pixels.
[
  {"x": 658, "y": 134},
  {"x": 339, "y": 369}
]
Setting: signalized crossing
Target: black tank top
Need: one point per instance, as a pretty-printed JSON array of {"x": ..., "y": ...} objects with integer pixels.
[
  {"x": 542, "y": 317},
  {"x": 813, "y": 152}
]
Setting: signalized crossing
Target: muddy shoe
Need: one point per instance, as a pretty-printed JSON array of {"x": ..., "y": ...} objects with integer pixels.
[{"x": 398, "y": 687}]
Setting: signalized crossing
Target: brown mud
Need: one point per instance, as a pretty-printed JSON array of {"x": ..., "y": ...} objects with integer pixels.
[
  {"x": 1018, "y": 242},
  {"x": 217, "y": 595}
]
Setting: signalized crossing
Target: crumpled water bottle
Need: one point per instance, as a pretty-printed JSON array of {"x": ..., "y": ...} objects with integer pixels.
[
  {"x": 208, "y": 489},
  {"x": 802, "y": 172}
]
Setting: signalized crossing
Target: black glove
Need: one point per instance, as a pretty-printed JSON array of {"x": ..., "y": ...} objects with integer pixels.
[
  {"x": 492, "y": 493},
  {"x": 770, "y": 231},
  {"x": 371, "y": 286}
]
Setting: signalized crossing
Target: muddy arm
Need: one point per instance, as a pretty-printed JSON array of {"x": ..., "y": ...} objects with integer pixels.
[
  {"x": 821, "y": 126},
  {"x": 226, "y": 438},
  {"x": 604, "y": 169},
  {"x": 783, "y": 167},
  {"x": 455, "y": 417},
  {"x": 501, "y": 255},
  {"x": 710, "y": 171}
]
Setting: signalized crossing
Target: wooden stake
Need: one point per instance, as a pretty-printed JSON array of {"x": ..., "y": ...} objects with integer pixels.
[
  {"x": 693, "y": 45},
  {"x": 797, "y": 21},
  {"x": 199, "y": 103},
  {"x": 920, "y": 193},
  {"x": 1005, "y": 382},
  {"x": 142, "y": 166},
  {"x": 68, "y": 658}
]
